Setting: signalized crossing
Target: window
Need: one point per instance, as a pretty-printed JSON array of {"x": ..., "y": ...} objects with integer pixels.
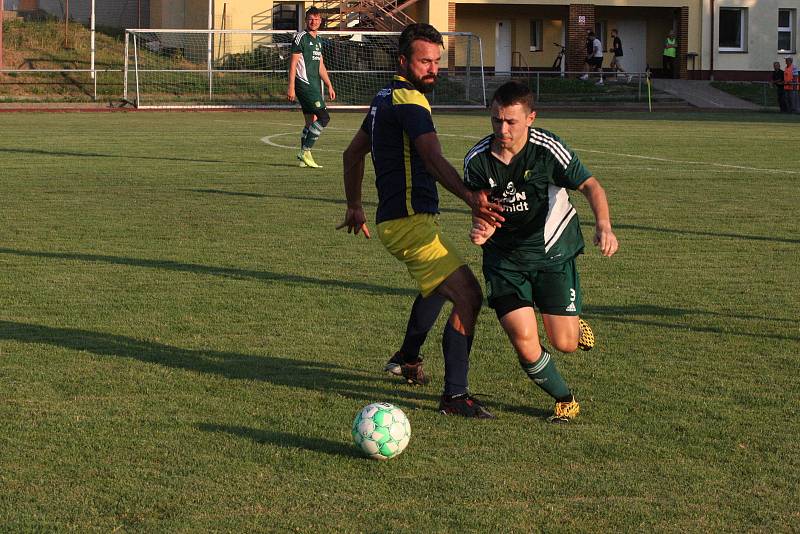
[
  {"x": 600, "y": 32},
  {"x": 786, "y": 18},
  {"x": 732, "y": 29},
  {"x": 536, "y": 35},
  {"x": 286, "y": 17}
]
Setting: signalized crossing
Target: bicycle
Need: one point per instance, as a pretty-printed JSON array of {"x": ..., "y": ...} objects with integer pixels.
[{"x": 560, "y": 57}]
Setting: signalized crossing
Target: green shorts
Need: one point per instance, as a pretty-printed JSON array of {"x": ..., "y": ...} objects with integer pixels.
[
  {"x": 554, "y": 290},
  {"x": 310, "y": 99}
]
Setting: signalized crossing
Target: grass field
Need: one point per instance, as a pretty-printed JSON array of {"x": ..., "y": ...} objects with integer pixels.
[{"x": 185, "y": 339}]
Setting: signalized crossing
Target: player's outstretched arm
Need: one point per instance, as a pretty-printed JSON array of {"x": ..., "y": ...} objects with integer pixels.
[
  {"x": 353, "y": 162},
  {"x": 603, "y": 235},
  {"x": 430, "y": 150}
]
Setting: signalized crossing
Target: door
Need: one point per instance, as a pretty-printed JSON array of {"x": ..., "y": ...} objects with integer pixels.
[
  {"x": 502, "y": 47},
  {"x": 634, "y": 44}
]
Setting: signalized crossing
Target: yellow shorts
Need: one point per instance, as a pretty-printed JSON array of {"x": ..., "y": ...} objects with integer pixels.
[{"x": 418, "y": 242}]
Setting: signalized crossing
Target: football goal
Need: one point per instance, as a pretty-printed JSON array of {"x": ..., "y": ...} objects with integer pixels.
[{"x": 248, "y": 68}]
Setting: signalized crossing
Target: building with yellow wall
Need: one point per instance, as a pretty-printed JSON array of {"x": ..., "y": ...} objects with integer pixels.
[{"x": 724, "y": 39}]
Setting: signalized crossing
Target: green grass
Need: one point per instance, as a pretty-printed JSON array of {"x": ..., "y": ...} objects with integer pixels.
[
  {"x": 760, "y": 93},
  {"x": 185, "y": 339}
]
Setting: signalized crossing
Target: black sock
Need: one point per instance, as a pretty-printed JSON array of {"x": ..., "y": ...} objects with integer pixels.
[
  {"x": 456, "y": 348},
  {"x": 424, "y": 313}
]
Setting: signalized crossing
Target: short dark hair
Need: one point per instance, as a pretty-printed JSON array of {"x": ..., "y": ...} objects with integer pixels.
[
  {"x": 313, "y": 10},
  {"x": 418, "y": 32},
  {"x": 514, "y": 92}
]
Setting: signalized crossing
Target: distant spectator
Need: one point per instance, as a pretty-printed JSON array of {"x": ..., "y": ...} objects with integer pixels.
[
  {"x": 670, "y": 53},
  {"x": 795, "y": 89},
  {"x": 616, "y": 60},
  {"x": 777, "y": 81},
  {"x": 595, "y": 60},
  {"x": 790, "y": 85},
  {"x": 589, "y": 49}
]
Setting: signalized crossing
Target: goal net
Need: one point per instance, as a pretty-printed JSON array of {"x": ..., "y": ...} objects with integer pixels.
[{"x": 248, "y": 68}]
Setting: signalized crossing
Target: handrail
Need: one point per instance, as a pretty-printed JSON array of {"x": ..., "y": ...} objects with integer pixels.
[{"x": 517, "y": 53}]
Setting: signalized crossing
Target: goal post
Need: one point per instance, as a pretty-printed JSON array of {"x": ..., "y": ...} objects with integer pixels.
[{"x": 248, "y": 68}]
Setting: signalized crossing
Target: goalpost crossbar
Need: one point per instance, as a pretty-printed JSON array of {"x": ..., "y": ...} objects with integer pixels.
[{"x": 229, "y": 69}]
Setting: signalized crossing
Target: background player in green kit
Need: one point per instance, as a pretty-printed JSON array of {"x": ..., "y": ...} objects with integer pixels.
[
  {"x": 530, "y": 259},
  {"x": 306, "y": 69}
]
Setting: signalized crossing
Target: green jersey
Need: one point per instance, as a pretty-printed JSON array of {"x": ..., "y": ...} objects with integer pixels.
[
  {"x": 541, "y": 226},
  {"x": 310, "y": 50}
]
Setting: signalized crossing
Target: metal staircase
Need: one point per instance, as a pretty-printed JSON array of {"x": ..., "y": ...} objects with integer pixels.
[
  {"x": 373, "y": 15},
  {"x": 363, "y": 15}
]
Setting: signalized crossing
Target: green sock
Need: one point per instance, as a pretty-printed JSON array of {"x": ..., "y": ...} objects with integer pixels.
[
  {"x": 314, "y": 131},
  {"x": 303, "y": 139},
  {"x": 544, "y": 374}
]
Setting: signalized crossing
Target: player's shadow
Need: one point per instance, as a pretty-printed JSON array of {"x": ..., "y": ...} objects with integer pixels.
[
  {"x": 290, "y": 372},
  {"x": 60, "y": 153},
  {"x": 338, "y": 201},
  {"x": 226, "y": 272},
  {"x": 229, "y": 193},
  {"x": 525, "y": 410},
  {"x": 285, "y": 439},
  {"x": 642, "y": 314},
  {"x": 744, "y": 237}
]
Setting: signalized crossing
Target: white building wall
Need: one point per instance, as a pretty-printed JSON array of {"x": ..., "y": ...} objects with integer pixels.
[{"x": 761, "y": 41}]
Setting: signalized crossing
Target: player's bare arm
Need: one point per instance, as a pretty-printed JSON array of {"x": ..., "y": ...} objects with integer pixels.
[
  {"x": 290, "y": 93},
  {"x": 604, "y": 236},
  {"x": 430, "y": 150},
  {"x": 353, "y": 162},
  {"x": 323, "y": 73}
]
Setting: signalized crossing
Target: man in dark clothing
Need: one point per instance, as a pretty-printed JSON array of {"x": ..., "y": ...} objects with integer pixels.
[
  {"x": 616, "y": 61},
  {"x": 777, "y": 81}
]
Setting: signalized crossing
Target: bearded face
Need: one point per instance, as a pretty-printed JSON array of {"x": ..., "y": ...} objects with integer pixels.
[
  {"x": 422, "y": 67},
  {"x": 425, "y": 84}
]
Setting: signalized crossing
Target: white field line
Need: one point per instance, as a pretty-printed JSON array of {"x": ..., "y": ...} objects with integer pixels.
[
  {"x": 268, "y": 141},
  {"x": 687, "y": 162}
]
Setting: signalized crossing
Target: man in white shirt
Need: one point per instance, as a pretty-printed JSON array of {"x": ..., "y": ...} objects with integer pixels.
[{"x": 595, "y": 60}]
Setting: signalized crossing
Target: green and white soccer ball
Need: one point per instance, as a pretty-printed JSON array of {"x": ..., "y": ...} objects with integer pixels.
[{"x": 381, "y": 430}]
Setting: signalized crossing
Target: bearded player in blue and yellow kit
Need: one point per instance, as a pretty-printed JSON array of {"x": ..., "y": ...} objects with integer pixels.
[
  {"x": 408, "y": 161},
  {"x": 530, "y": 261}
]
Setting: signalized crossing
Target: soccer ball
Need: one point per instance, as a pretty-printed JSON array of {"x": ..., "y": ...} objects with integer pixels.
[{"x": 381, "y": 430}]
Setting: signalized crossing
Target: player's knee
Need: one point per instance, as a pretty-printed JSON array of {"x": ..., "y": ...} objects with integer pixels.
[
  {"x": 468, "y": 308},
  {"x": 323, "y": 118},
  {"x": 529, "y": 356},
  {"x": 474, "y": 298},
  {"x": 565, "y": 343}
]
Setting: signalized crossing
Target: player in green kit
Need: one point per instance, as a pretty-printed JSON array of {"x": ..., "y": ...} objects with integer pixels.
[
  {"x": 306, "y": 73},
  {"x": 530, "y": 260}
]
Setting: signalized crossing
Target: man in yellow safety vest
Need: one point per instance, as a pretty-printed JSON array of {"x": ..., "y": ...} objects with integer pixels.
[{"x": 670, "y": 52}]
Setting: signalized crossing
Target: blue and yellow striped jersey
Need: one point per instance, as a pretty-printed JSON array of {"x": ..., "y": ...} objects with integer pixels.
[{"x": 397, "y": 116}]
